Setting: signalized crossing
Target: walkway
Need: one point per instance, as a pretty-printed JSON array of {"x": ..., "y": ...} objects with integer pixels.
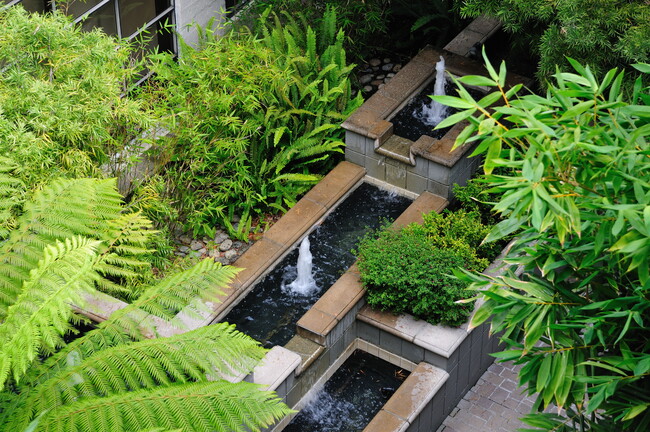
[{"x": 494, "y": 404}]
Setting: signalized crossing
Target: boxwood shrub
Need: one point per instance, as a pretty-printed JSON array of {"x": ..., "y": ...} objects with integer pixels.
[{"x": 409, "y": 270}]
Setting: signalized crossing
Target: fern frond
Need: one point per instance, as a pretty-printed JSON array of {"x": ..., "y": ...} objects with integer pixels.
[
  {"x": 218, "y": 406},
  {"x": 110, "y": 333},
  {"x": 188, "y": 357},
  {"x": 204, "y": 280},
  {"x": 63, "y": 209},
  {"x": 12, "y": 191},
  {"x": 36, "y": 322},
  {"x": 311, "y": 46}
]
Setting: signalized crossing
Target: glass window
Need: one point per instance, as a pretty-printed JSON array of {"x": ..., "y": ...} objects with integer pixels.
[
  {"x": 103, "y": 18},
  {"x": 135, "y": 14},
  {"x": 76, "y": 8},
  {"x": 36, "y": 5}
]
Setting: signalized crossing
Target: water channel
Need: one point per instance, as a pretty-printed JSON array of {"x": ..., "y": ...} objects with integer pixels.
[{"x": 270, "y": 311}]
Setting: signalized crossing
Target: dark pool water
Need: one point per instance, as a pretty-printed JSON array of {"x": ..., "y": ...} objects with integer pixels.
[
  {"x": 409, "y": 122},
  {"x": 351, "y": 397},
  {"x": 270, "y": 311}
]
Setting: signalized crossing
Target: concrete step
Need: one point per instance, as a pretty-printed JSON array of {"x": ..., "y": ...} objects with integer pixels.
[{"x": 397, "y": 148}]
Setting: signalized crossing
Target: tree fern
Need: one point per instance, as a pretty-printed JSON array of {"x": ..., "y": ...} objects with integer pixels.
[
  {"x": 193, "y": 356},
  {"x": 12, "y": 191},
  {"x": 113, "y": 376},
  {"x": 64, "y": 208},
  {"x": 35, "y": 323},
  {"x": 212, "y": 406}
]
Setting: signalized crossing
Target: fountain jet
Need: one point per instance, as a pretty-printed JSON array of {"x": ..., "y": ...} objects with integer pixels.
[
  {"x": 304, "y": 283},
  {"x": 434, "y": 112}
]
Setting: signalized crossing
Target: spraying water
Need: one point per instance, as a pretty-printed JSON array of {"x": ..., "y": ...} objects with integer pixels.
[
  {"x": 304, "y": 283},
  {"x": 434, "y": 112}
]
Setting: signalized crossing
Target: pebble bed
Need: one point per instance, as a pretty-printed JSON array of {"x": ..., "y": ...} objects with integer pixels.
[
  {"x": 375, "y": 73},
  {"x": 221, "y": 247}
]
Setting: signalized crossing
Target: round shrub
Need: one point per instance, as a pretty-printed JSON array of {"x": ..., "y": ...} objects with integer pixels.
[{"x": 405, "y": 271}]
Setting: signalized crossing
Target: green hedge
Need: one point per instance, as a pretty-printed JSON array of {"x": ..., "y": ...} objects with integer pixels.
[{"x": 409, "y": 270}]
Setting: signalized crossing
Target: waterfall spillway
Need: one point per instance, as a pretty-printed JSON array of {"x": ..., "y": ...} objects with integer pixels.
[
  {"x": 304, "y": 283},
  {"x": 434, "y": 112}
]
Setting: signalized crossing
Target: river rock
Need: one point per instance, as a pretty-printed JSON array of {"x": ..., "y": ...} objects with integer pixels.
[
  {"x": 226, "y": 245},
  {"x": 183, "y": 249},
  {"x": 367, "y": 88},
  {"x": 365, "y": 79},
  {"x": 213, "y": 253},
  {"x": 387, "y": 60},
  {"x": 374, "y": 62},
  {"x": 203, "y": 251},
  {"x": 382, "y": 76},
  {"x": 230, "y": 254},
  {"x": 220, "y": 236},
  {"x": 397, "y": 68},
  {"x": 185, "y": 239},
  {"x": 377, "y": 82},
  {"x": 195, "y": 254},
  {"x": 196, "y": 245},
  {"x": 387, "y": 67}
]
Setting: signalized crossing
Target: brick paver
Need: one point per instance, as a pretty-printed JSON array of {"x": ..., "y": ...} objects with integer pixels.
[{"x": 494, "y": 404}]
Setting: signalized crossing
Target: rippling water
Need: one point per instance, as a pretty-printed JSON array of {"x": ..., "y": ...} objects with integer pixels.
[
  {"x": 270, "y": 311},
  {"x": 351, "y": 397}
]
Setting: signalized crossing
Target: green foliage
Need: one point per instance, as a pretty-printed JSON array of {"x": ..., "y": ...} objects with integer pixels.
[
  {"x": 253, "y": 120},
  {"x": 114, "y": 377},
  {"x": 458, "y": 229},
  {"x": 577, "y": 187},
  {"x": 61, "y": 107},
  {"x": 410, "y": 269},
  {"x": 363, "y": 22},
  {"x": 601, "y": 33}
]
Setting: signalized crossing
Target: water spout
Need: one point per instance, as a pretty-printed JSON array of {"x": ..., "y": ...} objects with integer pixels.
[
  {"x": 434, "y": 112},
  {"x": 304, "y": 283}
]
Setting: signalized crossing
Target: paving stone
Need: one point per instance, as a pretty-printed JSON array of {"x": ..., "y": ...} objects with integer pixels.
[{"x": 491, "y": 407}]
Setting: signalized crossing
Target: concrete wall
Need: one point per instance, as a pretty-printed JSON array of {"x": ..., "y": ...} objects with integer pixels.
[{"x": 200, "y": 12}]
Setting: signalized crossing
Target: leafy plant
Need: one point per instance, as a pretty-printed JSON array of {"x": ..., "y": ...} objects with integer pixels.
[
  {"x": 577, "y": 187},
  {"x": 69, "y": 237},
  {"x": 409, "y": 270},
  {"x": 254, "y": 120},
  {"x": 601, "y": 33},
  {"x": 363, "y": 22},
  {"x": 62, "y": 105}
]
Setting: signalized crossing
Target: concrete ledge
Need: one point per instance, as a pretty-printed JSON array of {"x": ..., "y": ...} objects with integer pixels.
[
  {"x": 307, "y": 349},
  {"x": 410, "y": 399},
  {"x": 426, "y": 203},
  {"x": 438, "y": 339},
  {"x": 477, "y": 32},
  {"x": 440, "y": 150},
  {"x": 274, "y": 369}
]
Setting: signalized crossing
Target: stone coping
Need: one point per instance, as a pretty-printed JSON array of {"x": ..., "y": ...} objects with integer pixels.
[
  {"x": 409, "y": 400},
  {"x": 274, "y": 369},
  {"x": 438, "y": 339},
  {"x": 475, "y": 34},
  {"x": 347, "y": 291}
]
